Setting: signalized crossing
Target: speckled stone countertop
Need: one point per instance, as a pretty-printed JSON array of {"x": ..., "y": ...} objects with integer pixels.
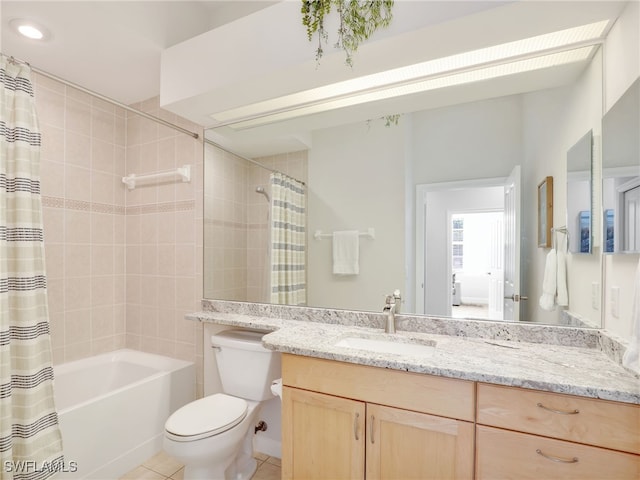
[{"x": 555, "y": 359}]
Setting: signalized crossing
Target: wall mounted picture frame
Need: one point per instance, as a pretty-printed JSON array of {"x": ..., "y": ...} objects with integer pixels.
[{"x": 545, "y": 212}]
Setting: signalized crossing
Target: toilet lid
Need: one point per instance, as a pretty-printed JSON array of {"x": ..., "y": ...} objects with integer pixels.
[{"x": 206, "y": 417}]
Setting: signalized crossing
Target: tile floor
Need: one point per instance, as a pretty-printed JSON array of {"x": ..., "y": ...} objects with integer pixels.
[{"x": 162, "y": 467}]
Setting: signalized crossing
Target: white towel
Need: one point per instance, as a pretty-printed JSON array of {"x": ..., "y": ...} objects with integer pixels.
[
  {"x": 346, "y": 252},
  {"x": 562, "y": 299},
  {"x": 631, "y": 357},
  {"x": 547, "y": 299}
]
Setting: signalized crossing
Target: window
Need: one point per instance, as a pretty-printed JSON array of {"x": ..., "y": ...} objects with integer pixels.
[{"x": 457, "y": 237}]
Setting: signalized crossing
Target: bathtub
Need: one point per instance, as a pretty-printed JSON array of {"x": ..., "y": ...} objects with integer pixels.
[{"x": 112, "y": 409}]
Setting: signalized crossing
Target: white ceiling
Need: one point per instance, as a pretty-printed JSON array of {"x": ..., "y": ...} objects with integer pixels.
[{"x": 113, "y": 47}]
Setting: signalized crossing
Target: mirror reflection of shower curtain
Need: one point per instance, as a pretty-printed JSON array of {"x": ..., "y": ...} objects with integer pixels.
[
  {"x": 288, "y": 241},
  {"x": 265, "y": 280}
]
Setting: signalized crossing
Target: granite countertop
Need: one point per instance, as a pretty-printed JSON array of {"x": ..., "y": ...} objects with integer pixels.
[{"x": 579, "y": 370}]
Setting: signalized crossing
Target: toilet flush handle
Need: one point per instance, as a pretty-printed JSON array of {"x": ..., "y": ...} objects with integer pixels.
[{"x": 217, "y": 348}]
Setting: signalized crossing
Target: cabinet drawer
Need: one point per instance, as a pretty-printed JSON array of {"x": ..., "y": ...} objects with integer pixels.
[
  {"x": 411, "y": 391},
  {"x": 598, "y": 422},
  {"x": 503, "y": 454}
]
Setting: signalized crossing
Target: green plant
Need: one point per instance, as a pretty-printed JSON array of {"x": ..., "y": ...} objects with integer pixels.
[
  {"x": 391, "y": 119},
  {"x": 388, "y": 120},
  {"x": 359, "y": 19}
]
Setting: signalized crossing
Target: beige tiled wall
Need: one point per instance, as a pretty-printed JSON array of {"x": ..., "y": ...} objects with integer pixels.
[
  {"x": 226, "y": 225},
  {"x": 163, "y": 239},
  {"x": 123, "y": 266},
  {"x": 82, "y": 161}
]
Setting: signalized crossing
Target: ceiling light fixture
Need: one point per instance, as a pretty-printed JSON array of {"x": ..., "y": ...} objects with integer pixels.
[
  {"x": 29, "y": 29},
  {"x": 519, "y": 56}
]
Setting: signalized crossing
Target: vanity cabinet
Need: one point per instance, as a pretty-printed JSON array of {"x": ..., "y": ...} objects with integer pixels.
[
  {"x": 348, "y": 421},
  {"x": 530, "y": 435},
  {"x": 342, "y": 420}
]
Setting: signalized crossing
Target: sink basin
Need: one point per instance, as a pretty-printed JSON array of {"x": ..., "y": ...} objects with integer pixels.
[{"x": 386, "y": 346}]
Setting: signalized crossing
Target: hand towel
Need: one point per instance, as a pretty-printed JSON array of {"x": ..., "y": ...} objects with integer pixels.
[
  {"x": 631, "y": 357},
  {"x": 346, "y": 252},
  {"x": 547, "y": 299},
  {"x": 562, "y": 299}
]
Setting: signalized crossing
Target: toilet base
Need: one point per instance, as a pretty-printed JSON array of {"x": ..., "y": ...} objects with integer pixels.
[
  {"x": 226, "y": 456},
  {"x": 242, "y": 468}
]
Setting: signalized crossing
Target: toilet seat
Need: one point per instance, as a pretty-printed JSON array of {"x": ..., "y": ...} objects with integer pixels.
[{"x": 206, "y": 417}]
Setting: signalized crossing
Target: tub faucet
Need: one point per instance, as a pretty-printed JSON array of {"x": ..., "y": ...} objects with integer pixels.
[{"x": 392, "y": 306}]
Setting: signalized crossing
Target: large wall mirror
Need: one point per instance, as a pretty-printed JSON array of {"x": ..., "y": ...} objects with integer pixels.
[
  {"x": 621, "y": 174},
  {"x": 442, "y": 199},
  {"x": 437, "y": 191}
]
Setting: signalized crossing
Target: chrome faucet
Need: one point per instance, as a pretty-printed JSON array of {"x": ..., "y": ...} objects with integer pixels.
[{"x": 392, "y": 306}]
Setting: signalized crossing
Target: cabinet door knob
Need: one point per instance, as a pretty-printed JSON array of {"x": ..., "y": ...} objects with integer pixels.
[
  {"x": 556, "y": 459},
  {"x": 355, "y": 426},
  {"x": 559, "y": 412},
  {"x": 371, "y": 430}
]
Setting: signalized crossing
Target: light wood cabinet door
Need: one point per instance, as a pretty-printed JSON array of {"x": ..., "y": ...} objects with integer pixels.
[
  {"x": 322, "y": 436},
  {"x": 407, "y": 445}
]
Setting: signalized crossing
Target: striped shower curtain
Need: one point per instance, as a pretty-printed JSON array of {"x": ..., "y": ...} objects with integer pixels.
[
  {"x": 30, "y": 440},
  {"x": 288, "y": 241}
]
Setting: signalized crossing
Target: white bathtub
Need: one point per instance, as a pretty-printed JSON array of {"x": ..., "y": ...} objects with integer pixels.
[{"x": 112, "y": 409}]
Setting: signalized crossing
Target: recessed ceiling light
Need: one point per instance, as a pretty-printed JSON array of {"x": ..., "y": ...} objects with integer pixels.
[{"x": 29, "y": 29}]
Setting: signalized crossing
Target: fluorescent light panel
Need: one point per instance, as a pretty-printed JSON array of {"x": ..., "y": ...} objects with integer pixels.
[
  {"x": 522, "y": 66},
  {"x": 413, "y": 73}
]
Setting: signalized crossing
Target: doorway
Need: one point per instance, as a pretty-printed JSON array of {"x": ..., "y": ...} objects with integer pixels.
[
  {"x": 437, "y": 204},
  {"x": 477, "y": 264}
]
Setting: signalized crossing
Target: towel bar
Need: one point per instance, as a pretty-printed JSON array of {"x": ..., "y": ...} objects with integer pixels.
[{"x": 370, "y": 233}]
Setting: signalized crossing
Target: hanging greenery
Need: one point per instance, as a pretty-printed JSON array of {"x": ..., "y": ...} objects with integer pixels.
[
  {"x": 359, "y": 19},
  {"x": 391, "y": 119},
  {"x": 388, "y": 120}
]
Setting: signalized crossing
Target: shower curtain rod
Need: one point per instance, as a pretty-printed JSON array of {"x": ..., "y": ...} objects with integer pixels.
[
  {"x": 134, "y": 110},
  {"x": 104, "y": 98},
  {"x": 211, "y": 142}
]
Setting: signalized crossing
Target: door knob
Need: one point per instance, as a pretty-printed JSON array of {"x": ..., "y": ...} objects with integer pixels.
[{"x": 516, "y": 298}]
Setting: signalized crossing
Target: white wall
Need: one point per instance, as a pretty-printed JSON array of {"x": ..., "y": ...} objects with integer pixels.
[
  {"x": 554, "y": 120},
  {"x": 622, "y": 67},
  {"x": 484, "y": 139},
  {"x": 374, "y": 154}
]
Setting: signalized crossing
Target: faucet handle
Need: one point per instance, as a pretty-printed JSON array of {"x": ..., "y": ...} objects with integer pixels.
[{"x": 393, "y": 298}]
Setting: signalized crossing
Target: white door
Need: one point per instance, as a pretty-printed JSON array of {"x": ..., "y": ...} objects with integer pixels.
[
  {"x": 496, "y": 271},
  {"x": 512, "y": 295}
]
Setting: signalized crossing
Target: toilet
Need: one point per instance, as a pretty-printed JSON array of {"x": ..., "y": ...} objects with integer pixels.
[{"x": 213, "y": 436}]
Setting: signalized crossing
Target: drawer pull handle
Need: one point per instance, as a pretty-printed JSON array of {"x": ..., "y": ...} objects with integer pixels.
[
  {"x": 371, "y": 430},
  {"x": 556, "y": 459},
  {"x": 355, "y": 426},
  {"x": 559, "y": 412}
]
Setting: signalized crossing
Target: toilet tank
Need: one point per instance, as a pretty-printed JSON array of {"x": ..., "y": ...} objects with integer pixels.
[{"x": 246, "y": 368}]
